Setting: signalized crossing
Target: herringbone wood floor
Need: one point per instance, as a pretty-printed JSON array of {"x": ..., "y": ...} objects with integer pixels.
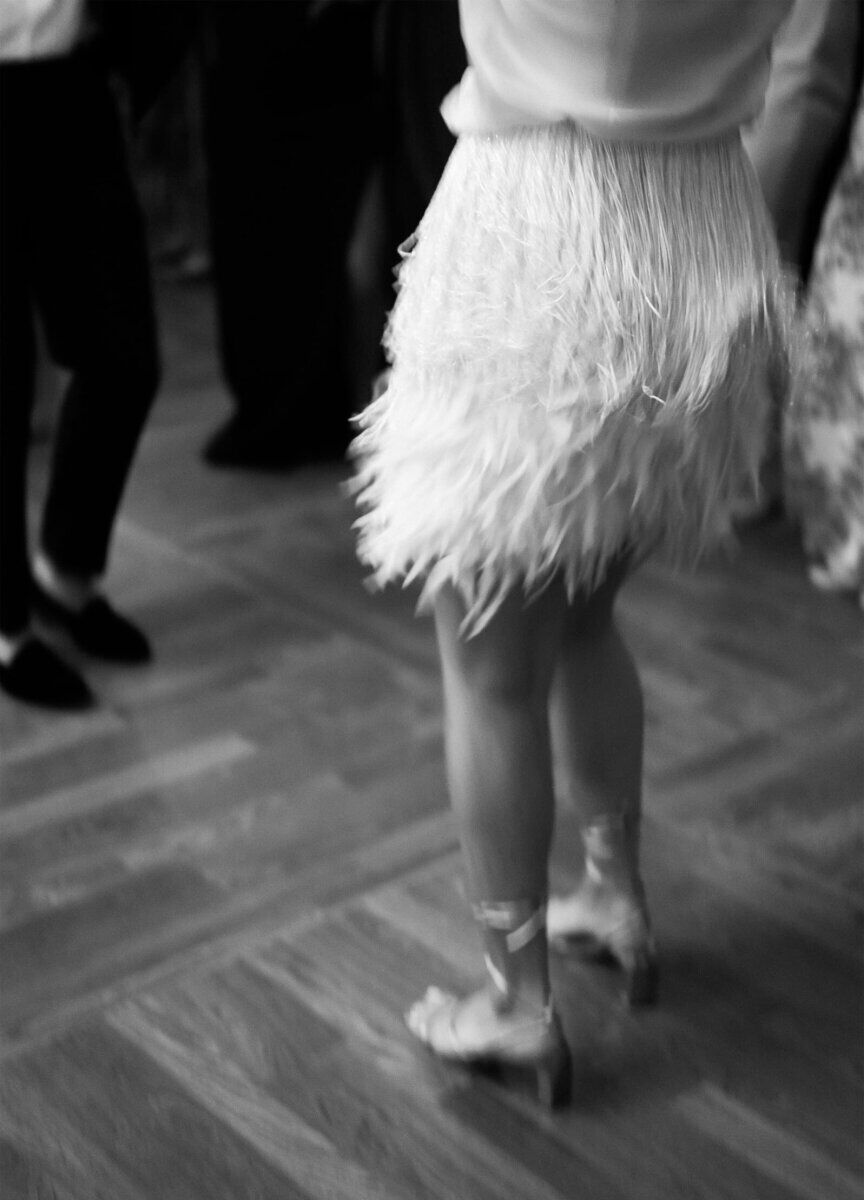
[{"x": 222, "y": 888}]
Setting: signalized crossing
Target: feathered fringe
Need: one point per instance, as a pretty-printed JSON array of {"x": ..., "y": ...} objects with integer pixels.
[{"x": 583, "y": 347}]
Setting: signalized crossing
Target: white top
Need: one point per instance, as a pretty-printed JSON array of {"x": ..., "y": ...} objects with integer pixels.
[
  {"x": 640, "y": 70},
  {"x": 32, "y": 29}
]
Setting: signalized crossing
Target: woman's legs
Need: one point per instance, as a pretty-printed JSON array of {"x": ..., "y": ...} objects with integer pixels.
[
  {"x": 596, "y": 711},
  {"x": 597, "y": 722},
  {"x": 496, "y": 695}
]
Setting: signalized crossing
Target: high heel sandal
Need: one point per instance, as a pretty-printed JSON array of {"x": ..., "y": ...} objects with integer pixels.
[
  {"x": 607, "y": 914},
  {"x": 510, "y": 1025}
]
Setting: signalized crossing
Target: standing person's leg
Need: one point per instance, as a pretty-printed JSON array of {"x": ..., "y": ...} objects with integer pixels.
[
  {"x": 246, "y": 88},
  {"x": 423, "y": 57},
  {"x": 496, "y": 691},
  {"x": 29, "y": 669},
  {"x": 597, "y": 721},
  {"x": 17, "y": 383},
  {"x": 93, "y": 291},
  {"x": 290, "y": 124},
  {"x": 335, "y": 142}
]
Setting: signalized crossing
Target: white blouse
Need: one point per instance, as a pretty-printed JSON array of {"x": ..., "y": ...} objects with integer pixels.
[{"x": 638, "y": 70}]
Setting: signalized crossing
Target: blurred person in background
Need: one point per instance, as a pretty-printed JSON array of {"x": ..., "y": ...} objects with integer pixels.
[
  {"x": 72, "y": 254},
  {"x": 823, "y": 429},
  {"x": 292, "y": 129},
  {"x": 797, "y": 145},
  {"x": 420, "y": 56},
  {"x": 423, "y": 58},
  {"x": 798, "y": 141}
]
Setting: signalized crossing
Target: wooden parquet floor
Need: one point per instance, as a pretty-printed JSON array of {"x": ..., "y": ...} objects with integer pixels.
[{"x": 223, "y": 887}]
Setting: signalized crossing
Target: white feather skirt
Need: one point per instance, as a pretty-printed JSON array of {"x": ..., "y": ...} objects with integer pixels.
[{"x": 579, "y": 351}]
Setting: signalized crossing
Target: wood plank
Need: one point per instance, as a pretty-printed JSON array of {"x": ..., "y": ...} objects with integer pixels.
[
  {"x": 81, "y": 948},
  {"x": 117, "y": 1106},
  {"x": 48, "y": 1149},
  {"x": 184, "y": 938},
  {"x": 56, "y": 737},
  {"x": 801, "y": 1169},
  {"x": 214, "y": 754},
  {"x": 300, "y": 1152}
]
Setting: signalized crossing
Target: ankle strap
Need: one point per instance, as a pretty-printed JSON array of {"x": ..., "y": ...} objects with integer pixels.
[
  {"x": 519, "y": 920},
  {"x": 602, "y": 836}
]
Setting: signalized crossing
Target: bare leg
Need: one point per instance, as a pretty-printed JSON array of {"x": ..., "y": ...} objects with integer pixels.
[
  {"x": 496, "y": 699},
  {"x": 496, "y": 695},
  {"x": 596, "y": 713},
  {"x": 597, "y": 721}
]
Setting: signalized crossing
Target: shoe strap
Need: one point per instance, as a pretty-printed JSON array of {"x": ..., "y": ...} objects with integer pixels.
[
  {"x": 608, "y": 837},
  {"x": 498, "y": 978},
  {"x": 602, "y": 829},
  {"x": 503, "y": 988},
  {"x": 508, "y": 917}
]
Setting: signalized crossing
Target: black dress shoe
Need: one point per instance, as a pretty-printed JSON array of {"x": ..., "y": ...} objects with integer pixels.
[
  {"x": 97, "y": 628},
  {"x": 39, "y": 676}
]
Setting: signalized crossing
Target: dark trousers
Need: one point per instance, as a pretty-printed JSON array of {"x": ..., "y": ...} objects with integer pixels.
[
  {"x": 72, "y": 249},
  {"x": 424, "y": 57},
  {"x": 291, "y": 128}
]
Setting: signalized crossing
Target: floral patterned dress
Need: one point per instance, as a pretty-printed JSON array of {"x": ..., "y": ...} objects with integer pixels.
[{"x": 824, "y": 427}]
